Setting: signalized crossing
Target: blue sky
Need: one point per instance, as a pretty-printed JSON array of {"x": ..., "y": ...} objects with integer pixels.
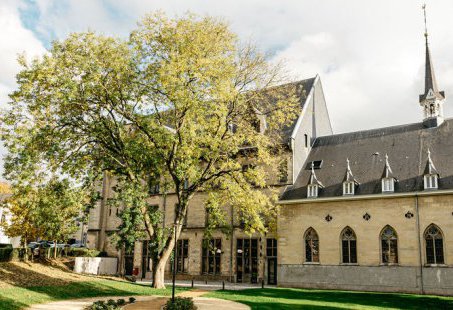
[{"x": 369, "y": 54}]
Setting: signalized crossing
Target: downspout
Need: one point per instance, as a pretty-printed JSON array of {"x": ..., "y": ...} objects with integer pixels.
[{"x": 417, "y": 219}]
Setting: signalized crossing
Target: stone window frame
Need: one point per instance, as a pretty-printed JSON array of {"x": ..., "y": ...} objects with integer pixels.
[
  {"x": 209, "y": 250},
  {"x": 425, "y": 246},
  {"x": 430, "y": 181},
  {"x": 381, "y": 252},
  {"x": 349, "y": 247},
  {"x": 348, "y": 188},
  {"x": 307, "y": 232},
  {"x": 312, "y": 190}
]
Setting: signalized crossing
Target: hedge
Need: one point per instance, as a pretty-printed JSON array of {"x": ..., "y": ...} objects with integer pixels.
[{"x": 5, "y": 252}]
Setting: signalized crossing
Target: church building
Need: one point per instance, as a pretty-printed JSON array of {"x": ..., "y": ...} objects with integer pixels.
[{"x": 367, "y": 210}]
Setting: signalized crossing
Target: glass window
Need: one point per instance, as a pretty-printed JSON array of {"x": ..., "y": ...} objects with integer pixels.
[
  {"x": 348, "y": 246},
  {"x": 348, "y": 188},
  {"x": 271, "y": 247},
  {"x": 311, "y": 246},
  {"x": 182, "y": 256},
  {"x": 388, "y": 184},
  {"x": 211, "y": 256},
  {"x": 434, "y": 245},
  {"x": 389, "y": 246},
  {"x": 430, "y": 181},
  {"x": 312, "y": 191}
]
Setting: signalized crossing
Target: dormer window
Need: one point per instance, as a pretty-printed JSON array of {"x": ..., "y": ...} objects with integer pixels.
[
  {"x": 312, "y": 190},
  {"x": 431, "y": 176},
  {"x": 349, "y": 182},
  {"x": 388, "y": 180},
  {"x": 431, "y": 181},
  {"x": 313, "y": 185},
  {"x": 388, "y": 185},
  {"x": 348, "y": 188}
]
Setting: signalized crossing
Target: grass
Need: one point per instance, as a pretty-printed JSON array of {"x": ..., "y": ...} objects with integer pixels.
[
  {"x": 24, "y": 284},
  {"x": 285, "y": 298},
  {"x": 22, "y": 297}
]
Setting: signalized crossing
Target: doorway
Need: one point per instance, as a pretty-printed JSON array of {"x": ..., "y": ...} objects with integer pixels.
[
  {"x": 247, "y": 260},
  {"x": 271, "y": 254}
]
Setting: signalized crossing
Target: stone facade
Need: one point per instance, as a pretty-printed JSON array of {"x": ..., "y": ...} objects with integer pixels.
[{"x": 410, "y": 274}]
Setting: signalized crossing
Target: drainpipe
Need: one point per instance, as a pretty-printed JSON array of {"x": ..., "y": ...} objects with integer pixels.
[{"x": 419, "y": 244}]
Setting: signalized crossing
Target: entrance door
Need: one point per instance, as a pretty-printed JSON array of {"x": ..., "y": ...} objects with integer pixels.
[
  {"x": 129, "y": 263},
  {"x": 272, "y": 270},
  {"x": 271, "y": 254},
  {"x": 146, "y": 258},
  {"x": 247, "y": 260}
]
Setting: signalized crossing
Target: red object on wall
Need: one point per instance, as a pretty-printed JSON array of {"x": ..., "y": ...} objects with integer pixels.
[{"x": 135, "y": 272}]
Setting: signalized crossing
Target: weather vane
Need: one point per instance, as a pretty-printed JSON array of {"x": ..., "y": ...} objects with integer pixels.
[{"x": 424, "y": 15}]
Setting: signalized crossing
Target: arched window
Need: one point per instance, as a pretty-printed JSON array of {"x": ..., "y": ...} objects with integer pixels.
[
  {"x": 348, "y": 246},
  {"x": 434, "y": 245},
  {"x": 311, "y": 246},
  {"x": 389, "y": 246}
]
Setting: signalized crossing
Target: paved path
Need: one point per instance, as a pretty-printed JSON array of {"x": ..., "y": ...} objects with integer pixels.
[{"x": 146, "y": 302}]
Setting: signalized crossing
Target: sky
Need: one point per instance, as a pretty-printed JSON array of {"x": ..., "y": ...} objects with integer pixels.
[{"x": 369, "y": 54}]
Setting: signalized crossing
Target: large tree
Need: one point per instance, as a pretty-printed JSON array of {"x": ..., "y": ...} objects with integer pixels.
[{"x": 182, "y": 101}]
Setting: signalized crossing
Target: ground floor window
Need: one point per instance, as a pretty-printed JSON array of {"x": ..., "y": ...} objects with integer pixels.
[
  {"x": 311, "y": 246},
  {"x": 348, "y": 246},
  {"x": 182, "y": 256},
  {"x": 247, "y": 260},
  {"x": 389, "y": 246},
  {"x": 434, "y": 245},
  {"x": 211, "y": 256}
]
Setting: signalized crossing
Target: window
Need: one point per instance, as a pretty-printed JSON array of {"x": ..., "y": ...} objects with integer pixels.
[
  {"x": 283, "y": 171},
  {"x": 348, "y": 246},
  {"x": 389, "y": 246},
  {"x": 306, "y": 140},
  {"x": 154, "y": 186},
  {"x": 177, "y": 211},
  {"x": 388, "y": 185},
  {"x": 312, "y": 190},
  {"x": 182, "y": 256},
  {"x": 211, "y": 256},
  {"x": 434, "y": 245},
  {"x": 348, "y": 188},
  {"x": 430, "y": 181},
  {"x": 3, "y": 219},
  {"x": 311, "y": 246},
  {"x": 232, "y": 128},
  {"x": 186, "y": 183},
  {"x": 271, "y": 247},
  {"x": 317, "y": 164}
]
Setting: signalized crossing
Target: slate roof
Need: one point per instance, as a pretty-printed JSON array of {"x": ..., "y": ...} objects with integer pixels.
[{"x": 407, "y": 148}]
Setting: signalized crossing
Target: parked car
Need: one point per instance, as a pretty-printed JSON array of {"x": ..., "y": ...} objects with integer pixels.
[
  {"x": 77, "y": 245},
  {"x": 33, "y": 245}
]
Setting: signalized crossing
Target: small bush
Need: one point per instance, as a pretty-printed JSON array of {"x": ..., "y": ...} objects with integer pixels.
[
  {"x": 181, "y": 303},
  {"x": 5, "y": 252},
  {"x": 109, "y": 305},
  {"x": 83, "y": 252}
]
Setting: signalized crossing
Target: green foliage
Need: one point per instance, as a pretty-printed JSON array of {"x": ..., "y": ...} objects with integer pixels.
[
  {"x": 160, "y": 105},
  {"x": 180, "y": 303},
  {"x": 107, "y": 305},
  {"x": 83, "y": 252}
]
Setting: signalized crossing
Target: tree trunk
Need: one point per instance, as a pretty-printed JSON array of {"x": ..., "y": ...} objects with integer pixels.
[
  {"x": 159, "y": 271},
  {"x": 55, "y": 250}
]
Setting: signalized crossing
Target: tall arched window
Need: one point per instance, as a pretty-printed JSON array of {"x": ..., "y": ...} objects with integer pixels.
[
  {"x": 348, "y": 246},
  {"x": 389, "y": 246},
  {"x": 434, "y": 245},
  {"x": 311, "y": 246}
]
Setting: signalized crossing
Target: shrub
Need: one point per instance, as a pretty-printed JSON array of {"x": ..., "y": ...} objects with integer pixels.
[
  {"x": 181, "y": 303},
  {"x": 109, "y": 305},
  {"x": 83, "y": 252},
  {"x": 132, "y": 300},
  {"x": 5, "y": 252}
]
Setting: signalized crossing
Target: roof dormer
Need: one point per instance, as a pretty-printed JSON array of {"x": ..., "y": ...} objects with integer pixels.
[
  {"x": 431, "y": 175},
  {"x": 388, "y": 180},
  {"x": 349, "y": 182},
  {"x": 314, "y": 184}
]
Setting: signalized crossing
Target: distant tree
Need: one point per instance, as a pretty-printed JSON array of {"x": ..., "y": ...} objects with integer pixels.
[
  {"x": 48, "y": 211},
  {"x": 182, "y": 102}
]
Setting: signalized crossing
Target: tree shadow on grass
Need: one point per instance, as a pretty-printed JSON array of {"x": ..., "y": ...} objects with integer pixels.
[
  {"x": 353, "y": 299},
  {"x": 10, "y": 304}
]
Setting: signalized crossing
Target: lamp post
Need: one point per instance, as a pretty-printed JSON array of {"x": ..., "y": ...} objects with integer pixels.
[{"x": 175, "y": 253}]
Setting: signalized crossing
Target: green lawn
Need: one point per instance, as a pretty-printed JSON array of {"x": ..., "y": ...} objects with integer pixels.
[
  {"x": 21, "y": 297},
  {"x": 281, "y": 298}
]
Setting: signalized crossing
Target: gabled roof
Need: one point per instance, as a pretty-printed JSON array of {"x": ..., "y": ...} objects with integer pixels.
[
  {"x": 313, "y": 180},
  {"x": 366, "y": 151},
  {"x": 429, "y": 168},
  {"x": 388, "y": 173},
  {"x": 349, "y": 177}
]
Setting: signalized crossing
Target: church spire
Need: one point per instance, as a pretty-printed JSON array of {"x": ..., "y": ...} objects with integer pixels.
[{"x": 432, "y": 99}]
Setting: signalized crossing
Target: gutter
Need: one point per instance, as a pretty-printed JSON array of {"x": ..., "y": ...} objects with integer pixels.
[{"x": 366, "y": 197}]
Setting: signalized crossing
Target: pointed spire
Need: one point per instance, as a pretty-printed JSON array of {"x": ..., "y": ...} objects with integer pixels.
[
  {"x": 313, "y": 180},
  {"x": 430, "y": 168},
  {"x": 349, "y": 176},
  {"x": 388, "y": 173},
  {"x": 430, "y": 77}
]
